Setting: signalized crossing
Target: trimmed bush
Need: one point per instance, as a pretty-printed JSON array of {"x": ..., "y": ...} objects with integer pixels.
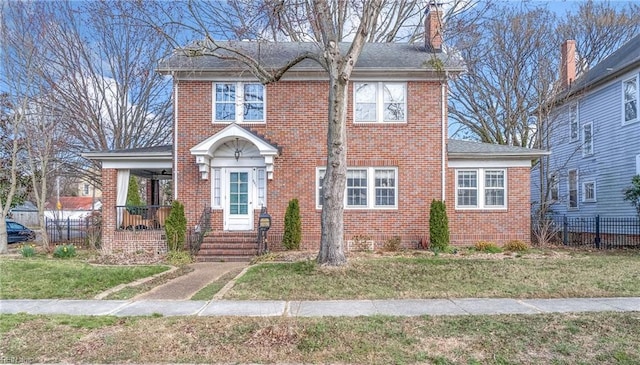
[
  {"x": 487, "y": 246},
  {"x": 516, "y": 246},
  {"x": 176, "y": 227},
  {"x": 392, "y": 244},
  {"x": 292, "y": 226},
  {"x": 438, "y": 226}
]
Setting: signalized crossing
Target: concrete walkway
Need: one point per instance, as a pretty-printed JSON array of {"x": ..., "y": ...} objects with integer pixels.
[{"x": 350, "y": 308}]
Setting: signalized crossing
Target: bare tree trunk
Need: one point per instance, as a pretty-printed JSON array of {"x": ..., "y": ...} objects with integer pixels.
[{"x": 332, "y": 236}]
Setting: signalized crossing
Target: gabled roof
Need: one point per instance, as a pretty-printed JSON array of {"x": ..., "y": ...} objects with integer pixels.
[
  {"x": 457, "y": 148},
  {"x": 624, "y": 59},
  {"x": 387, "y": 57}
]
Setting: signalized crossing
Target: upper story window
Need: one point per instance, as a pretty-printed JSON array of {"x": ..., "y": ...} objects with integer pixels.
[
  {"x": 573, "y": 122},
  {"x": 239, "y": 102},
  {"x": 366, "y": 188},
  {"x": 481, "y": 189},
  {"x": 587, "y": 139},
  {"x": 630, "y": 100},
  {"x": 377, "y": 102}
]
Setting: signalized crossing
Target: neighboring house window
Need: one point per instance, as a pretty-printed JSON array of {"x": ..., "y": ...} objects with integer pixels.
[
  {"x": 481, "y": 189},
  {"x": 573, "y": 188},
  {"x": 380, "y": 102},
  {"x": 366, "y": 187},
  {"x": 587, "y": 139},
  {"x": 630, "y": 99},
  {"x": 85, "y": 189},
  {"x": 589, "y": 191},
  {"x": 239, "y": 102},
  {"x": 554, "y": 181},
  {"x": 573, "y": 122}
]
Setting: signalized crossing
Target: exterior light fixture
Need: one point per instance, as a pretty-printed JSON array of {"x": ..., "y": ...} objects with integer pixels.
[{"x": 238, "y": 151}]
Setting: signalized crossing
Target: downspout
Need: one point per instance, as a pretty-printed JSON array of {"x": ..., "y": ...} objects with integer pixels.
[
  {"x": 443, "y": 147},
  {"x": 175, "y": 139}
]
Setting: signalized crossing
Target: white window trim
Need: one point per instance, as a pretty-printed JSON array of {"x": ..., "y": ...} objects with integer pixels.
[
  {"x": 584, "y": 192},
  {"x": 638, "y": 164},
  {"x": 239, "y": 103},
  {"x": 637, "y": 78},
  {"x": 480, "y": 174},
  {"x": 569, "y": 207},
  {"x": 577, "y": 122},
  {"x": 584, "y": 153},
  {"x": 380, "y": 103},
  {"x": 371, "y": 189}
]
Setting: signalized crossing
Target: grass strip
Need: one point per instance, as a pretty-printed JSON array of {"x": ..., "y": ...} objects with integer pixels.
[
  {"x": 582, "y": 275},
  {"x": 210, "y": 290},
  {"x": 41, "y": 278},
  {"x": 588, "y": 338}
]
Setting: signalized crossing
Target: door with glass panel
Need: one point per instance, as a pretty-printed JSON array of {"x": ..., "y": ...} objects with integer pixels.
[{"x": 238, "y": 203}]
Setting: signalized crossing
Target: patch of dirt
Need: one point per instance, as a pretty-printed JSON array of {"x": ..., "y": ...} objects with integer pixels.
[
  {"x": 463, "y": 253},
  {"x": 274, "y": 335},
  {"x": 127, "y": 258}
]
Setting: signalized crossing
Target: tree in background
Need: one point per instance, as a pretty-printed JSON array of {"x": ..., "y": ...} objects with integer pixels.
[
  {"x": 133, "y": 193},
  {"x": 292, "y": 226},
  {"x": 513, "y": 62}
]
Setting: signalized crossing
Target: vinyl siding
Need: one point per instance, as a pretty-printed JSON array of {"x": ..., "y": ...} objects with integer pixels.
[{"x": 613, "y": 162}]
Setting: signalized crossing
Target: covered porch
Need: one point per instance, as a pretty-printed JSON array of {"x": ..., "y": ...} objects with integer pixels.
[{"x": 140, "y": 227}]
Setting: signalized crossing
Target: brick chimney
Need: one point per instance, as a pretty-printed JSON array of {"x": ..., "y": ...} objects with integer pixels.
[
  {"x": 568, "y": 63},
  {"x": 433, "y": 28}
]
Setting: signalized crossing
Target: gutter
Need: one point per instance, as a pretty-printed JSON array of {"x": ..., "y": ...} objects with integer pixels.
[{"x": 443, "y": 147}]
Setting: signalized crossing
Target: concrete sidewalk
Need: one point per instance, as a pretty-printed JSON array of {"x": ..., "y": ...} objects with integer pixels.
[{"x": 350, "y": 308}]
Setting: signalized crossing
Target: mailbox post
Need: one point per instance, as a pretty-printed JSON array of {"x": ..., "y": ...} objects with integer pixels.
[{"x": 264, "y": 223}]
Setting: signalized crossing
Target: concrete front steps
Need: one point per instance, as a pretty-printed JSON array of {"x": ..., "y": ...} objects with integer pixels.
[{"x": 228, "y": 247}]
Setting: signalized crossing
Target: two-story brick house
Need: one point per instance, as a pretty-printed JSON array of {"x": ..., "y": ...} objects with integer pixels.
[{"x": 239, "y": 145}]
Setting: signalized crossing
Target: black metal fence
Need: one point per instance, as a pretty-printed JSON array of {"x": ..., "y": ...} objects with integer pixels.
[
  {"x": 598, "y": 232},
  {"x": 79, "y": 232}
]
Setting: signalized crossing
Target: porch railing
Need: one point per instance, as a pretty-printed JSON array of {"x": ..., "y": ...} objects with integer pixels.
[{"x": 149, "y": 217}]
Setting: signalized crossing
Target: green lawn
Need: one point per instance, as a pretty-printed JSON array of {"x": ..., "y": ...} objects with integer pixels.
[
  {"x": 40, "y": 278},
  {"x": 526, "y": 276},
  {"x": 586, "y": 338}
]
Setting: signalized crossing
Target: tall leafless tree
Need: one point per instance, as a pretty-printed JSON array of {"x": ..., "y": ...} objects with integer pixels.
[
  {"x": 513, "y": 63},
  {"x": 102, "y": 82},
  {"x": 21, "y": 77}
]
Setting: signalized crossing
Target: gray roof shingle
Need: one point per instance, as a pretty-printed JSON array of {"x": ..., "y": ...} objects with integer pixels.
[
  {"x": 470, "y": 149},
  {"x": 620, "y": 61},
  {"x": 374, "y": 56}
]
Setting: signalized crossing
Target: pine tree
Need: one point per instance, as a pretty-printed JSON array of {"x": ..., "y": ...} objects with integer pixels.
[
  {"x": 438, "y": 226},
  {"x": 292, "y": 226}
]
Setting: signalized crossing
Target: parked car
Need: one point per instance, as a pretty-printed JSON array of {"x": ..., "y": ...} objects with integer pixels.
[{"x": 16, "y": 232}]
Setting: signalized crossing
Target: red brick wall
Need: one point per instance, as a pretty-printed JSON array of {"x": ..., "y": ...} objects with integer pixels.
[
  {"x": 296, "y": 121},
  {"x": 500, "y": 226}
]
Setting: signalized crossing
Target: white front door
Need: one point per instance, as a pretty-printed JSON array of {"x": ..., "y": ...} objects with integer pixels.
[{"x": 238, "y": 205}]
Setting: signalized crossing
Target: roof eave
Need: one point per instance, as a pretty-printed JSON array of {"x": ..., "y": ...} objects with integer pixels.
[{"x": 497, "y": 156}]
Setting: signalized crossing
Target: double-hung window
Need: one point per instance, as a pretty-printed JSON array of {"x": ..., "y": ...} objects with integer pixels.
[
  {"x": 587, "y": 139},
  {"x": 366, "y": 188},
  {"x": 481, "y": 189},
  {"x": 554, "y": 187},
  {"x": 589, "y": 191},
  {"x": 239, "y": 102},
  {"x": 380, "y": 102},
  {"x": 573, "y": 122},
  {"x": 572, "y": 182},
  {"x": 630, "y": 100}
]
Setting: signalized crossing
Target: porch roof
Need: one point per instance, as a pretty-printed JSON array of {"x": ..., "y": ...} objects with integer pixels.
[{"x": 150, "y": 162}]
